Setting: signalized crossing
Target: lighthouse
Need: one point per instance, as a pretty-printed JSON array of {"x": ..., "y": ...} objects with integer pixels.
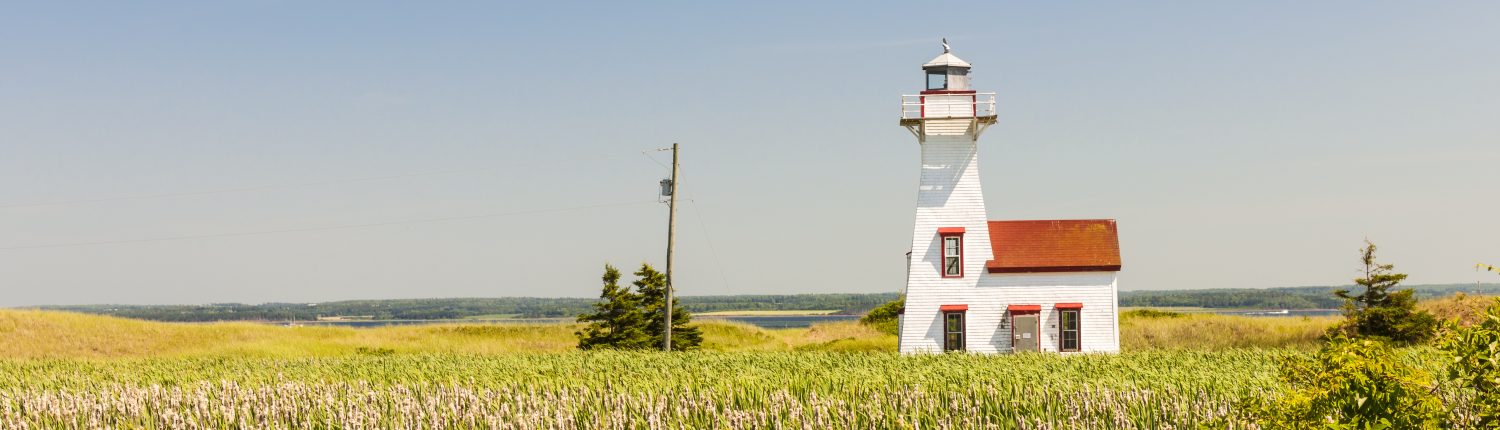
[{"x": 976, "y": 285}]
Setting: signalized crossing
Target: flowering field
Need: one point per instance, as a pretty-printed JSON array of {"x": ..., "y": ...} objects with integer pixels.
[{"x": 1156, "y": 389}]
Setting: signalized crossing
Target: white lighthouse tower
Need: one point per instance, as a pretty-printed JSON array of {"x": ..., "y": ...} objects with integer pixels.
[{"x": 994, "y": 286}]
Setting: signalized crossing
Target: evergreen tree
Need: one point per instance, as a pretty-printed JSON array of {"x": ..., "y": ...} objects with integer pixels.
[
  {"x": 618, "y": 321},
  {"x": 652, "y": 287},
  {"x": 1378, "y": 312}
]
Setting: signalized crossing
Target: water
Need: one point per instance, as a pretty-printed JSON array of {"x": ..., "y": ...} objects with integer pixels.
[
  {"x": 779, "y": 321},
  {"x": 1281, "y": 312},
  {"x": 762, "y": 321},
  {"x": 783, "y": 321}
]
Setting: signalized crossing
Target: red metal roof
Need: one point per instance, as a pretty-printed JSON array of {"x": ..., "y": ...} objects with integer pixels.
[
  {"x": 1024, "y": 308},
  {"x": 953, "y": 308},
  {"x": 1068, "y": 306},
  {"x": 1086, "y": 245},
  {"x": 950, "y": 230}
]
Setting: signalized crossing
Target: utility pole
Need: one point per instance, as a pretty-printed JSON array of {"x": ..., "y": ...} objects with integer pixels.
[{"x": 666, "y": 342}]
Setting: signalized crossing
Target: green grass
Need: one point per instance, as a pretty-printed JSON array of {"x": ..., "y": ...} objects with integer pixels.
[
  {"x": 61, "y": 370},
  {"x": 606, "y": 389}
]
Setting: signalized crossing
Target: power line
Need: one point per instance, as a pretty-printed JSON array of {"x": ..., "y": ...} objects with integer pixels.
[
  {"x": 711, "y": 250},
  {"x": 323, "y": 228},
  {"x": 702, "y": 225},
  {"x": 654, "y": 160}
]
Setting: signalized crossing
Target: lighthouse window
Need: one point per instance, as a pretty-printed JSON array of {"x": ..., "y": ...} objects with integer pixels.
[
  {"x": 937, "y": 80},
  {"x": 953, "y": 331},
  {"x": 1069, "y": 328},
  {"x": 953, "y": 257}
]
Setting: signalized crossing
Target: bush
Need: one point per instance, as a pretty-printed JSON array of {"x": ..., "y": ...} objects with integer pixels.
[
  {"x": 1351, "y": 384},
  {"x": 1476, "y": 367},
  {"x": 885, "y": 316}
]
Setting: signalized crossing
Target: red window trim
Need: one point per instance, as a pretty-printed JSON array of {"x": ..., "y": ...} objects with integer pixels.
[
  {"x": 1068, "y": 306},
  {"x": 1023, "y": 308},
  {"x": 953, "y": 308},
  {"x": 943, "y": 234},
  {"x": 963, "y": 330},
  {"x": 1078, "y": 317}
]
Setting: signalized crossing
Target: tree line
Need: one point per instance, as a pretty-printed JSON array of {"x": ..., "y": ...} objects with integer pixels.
[
  {"x": 1278, "y": 298},
  {"x": 457, "y": 308}
]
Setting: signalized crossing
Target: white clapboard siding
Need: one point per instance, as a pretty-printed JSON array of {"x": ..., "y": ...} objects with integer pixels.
[
  {"x": 1099, "y": 331},
  {"x": 948, "y": 105},
  {"x": 948, "y": 195}
]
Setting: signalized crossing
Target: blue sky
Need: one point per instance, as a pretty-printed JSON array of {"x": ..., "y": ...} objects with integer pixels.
[{"x": 1252, "y": 144}]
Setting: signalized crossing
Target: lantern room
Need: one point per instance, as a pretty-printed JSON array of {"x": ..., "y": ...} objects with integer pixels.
[
  {"x": 947, "y": 73},
  {"x": 947, "y": 105}
]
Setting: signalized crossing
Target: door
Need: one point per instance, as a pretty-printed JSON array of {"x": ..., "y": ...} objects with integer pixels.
[{"x": 1024, "y": 333}]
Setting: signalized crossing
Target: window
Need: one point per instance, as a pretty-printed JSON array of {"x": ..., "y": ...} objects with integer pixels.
[
  {"x": 953, "y": 256},
  {"x": 953, "y": 331},
  {"x": 937, "y": 80},
  {"x": 1069, "y": 327}
]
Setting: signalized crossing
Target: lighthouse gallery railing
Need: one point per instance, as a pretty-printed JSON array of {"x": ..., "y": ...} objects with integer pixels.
[{"x": 917, "y": 106}]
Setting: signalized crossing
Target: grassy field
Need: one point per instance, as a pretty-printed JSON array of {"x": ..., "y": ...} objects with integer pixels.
[
  {"x": 28, "y": 334},
  {"x": 635, "y": 390},
  {"x": 83, "y": 371},
  {"x": 1198, "y": 331}
]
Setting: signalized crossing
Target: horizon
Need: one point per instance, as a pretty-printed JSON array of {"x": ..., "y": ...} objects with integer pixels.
[
  {"x": 1480, "y": 285},
  {"x": 298, "y": 153}
]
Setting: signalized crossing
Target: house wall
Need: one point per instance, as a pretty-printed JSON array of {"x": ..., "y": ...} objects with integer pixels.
[{"x": 988, "y": 300}]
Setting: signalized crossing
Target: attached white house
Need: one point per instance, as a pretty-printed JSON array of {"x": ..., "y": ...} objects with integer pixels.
[{"x": 994, "y": 286}]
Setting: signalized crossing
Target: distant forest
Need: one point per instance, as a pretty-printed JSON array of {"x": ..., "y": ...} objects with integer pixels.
[
  {"x": 848, "y": 304},
  {"x": 1279, "y": 298},
  {"x": 509, "y": 307}
]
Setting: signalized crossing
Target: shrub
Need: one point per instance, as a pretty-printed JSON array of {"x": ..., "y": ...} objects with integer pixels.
[
  {"x": 1351, "y": 384},
  {"x": 1476, "y": 367},
  {"x": 885, "y": 316}
]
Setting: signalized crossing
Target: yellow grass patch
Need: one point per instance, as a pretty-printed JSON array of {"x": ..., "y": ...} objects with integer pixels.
[
  {"x": 31, "y": 334},
  {"x": 1467, "y": 309},
  {"x": 1217, "y": 332}
]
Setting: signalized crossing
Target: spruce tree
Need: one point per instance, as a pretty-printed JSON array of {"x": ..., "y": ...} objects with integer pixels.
[
  {"x": 652, "y": 287},
  {"x": 1378, "y": 312},
  {"x": 617, "y": 321}
]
